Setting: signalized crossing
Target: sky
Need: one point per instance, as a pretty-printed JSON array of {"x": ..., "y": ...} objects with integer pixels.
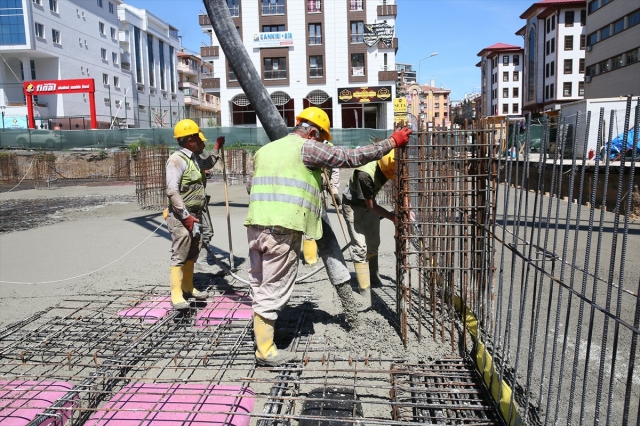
[{"x": 456, "y": 29}]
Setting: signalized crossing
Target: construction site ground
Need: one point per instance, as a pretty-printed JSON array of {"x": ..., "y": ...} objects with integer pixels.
[{"x": 73, "y": 258}]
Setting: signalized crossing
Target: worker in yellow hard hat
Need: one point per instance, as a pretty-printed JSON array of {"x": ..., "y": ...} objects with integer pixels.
[
  {"x": 186, "y": 195},
  {"x": 285, "y": 203},
  {"x": 362, "y": 215}
]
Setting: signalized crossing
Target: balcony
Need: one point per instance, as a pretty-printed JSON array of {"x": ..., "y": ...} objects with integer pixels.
[
  {"x": 186, "y": 69},
  {"x": 209, "y": 51},
  {"x": 123, "y": 37},
  {"x": 210, "y": 83},
  {"x": 204, "y": 21},
  {"x": 188, "y": 84},
  {"x": 394, "y": 44},
  {"x": 125, "y": 66},
  {"x": 387, "y": 10},
  {"x": 387, "y": 75}
]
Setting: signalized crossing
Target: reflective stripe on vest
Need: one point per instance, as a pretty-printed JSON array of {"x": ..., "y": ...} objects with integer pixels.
[{"x": 283, "y": 191}]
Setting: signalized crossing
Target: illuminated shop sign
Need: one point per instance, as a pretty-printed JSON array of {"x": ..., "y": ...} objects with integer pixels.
[{"x": 362, "y": 95}]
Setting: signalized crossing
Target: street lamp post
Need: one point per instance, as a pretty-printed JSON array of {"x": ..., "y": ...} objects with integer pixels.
[{"x": 420, "y": 63}]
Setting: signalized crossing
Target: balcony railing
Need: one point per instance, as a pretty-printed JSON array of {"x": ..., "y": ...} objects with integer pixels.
[
  {"x": 387, "y": 75},
  {"x": 315, "y": 40},
  {"x": 388, "y": 10},
  {"x": 209, "y": 51},
  {"x": 273, "y": 74},
  {"x": 273, "y": 9},
  {"x": 204, "y": 21},
  {"x": 210, "y": 83},
  {"x": 316, "y": 72}
]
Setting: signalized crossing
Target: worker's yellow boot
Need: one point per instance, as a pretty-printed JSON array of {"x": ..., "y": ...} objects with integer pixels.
[
  {"x": 177, "y": 299},
  {"x": 187, "y": 283},
  {"x": 364, "y": 283},
  {"x": 266, "y": 352},
  {"x": 310, "y": 251}
]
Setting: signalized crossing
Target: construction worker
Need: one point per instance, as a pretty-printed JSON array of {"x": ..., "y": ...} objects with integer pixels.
[
  {"x": 187, "y": 199},
  {"x": 362, "y": 214},
  {"x": 284, "y": 204}
]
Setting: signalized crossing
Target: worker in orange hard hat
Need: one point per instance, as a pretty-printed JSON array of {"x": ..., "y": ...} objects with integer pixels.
[
  {"x": 186, "y": 195},
  {"x": 284, "y": 204},
  {"x": 362, "y": 214}
]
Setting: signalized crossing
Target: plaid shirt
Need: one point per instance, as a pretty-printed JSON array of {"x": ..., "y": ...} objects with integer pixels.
[{"x": 317, "y": 155}]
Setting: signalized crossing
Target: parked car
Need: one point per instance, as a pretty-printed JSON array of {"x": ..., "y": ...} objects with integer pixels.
[{"x": 39, "y": 139}]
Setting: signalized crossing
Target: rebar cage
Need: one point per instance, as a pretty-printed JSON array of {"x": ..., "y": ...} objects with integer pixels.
[{"x": 511, "y": 249}]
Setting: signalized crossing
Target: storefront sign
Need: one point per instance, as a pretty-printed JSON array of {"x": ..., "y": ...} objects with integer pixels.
[
  {"x": 51, "y": 87},
  {"x": 399, "y": 111},
  {"x": 374, "y": 33},
  {"x": 368, "y": 94},
  {"x": 275, "y": 39}
]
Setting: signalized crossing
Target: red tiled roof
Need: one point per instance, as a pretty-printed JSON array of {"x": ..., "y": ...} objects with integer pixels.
[
  {"x": 499, "y": 47},
  {"x": 546, "y": 3}
]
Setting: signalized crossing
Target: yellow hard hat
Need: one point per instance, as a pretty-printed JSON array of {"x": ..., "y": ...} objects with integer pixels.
[
  {"x": 202, "y": 138},
  {"x": 318, "y": 118},
  {"x": 184, "y": 128},
  {"x": 388, "y": 164}
]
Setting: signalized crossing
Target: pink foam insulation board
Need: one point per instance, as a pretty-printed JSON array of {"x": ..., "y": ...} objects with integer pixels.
[
  {"x": 224, "y": 308},
  {"x": 186, "y": 404},
  {"x": 149, "y": 310},
  {"x": 21, "y": 401}
]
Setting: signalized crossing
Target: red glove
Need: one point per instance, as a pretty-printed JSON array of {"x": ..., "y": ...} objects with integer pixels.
[
  {"x": 219, "y": 142},
  {"x": 189, "y": 221},
  {"x": 401, "y": 136}
]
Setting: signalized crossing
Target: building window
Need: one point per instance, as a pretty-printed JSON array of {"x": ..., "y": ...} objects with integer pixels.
[
  {"x": 505, "y": 108},
  {"x": 552, "y": 91},
  {"x": 605, "y": 33},
  {"x": 546, "y": 92},
  {"x": 152, "y": 81},
  {"x": 516, "y": 60},
  {"x": 315, "y": 34},
  {"x": 569, "y": 16},
  {"x": 603, "y": 66},
  {"x": 171, "y": 83},
  {"x": 581, "y": 66},
  {"x": 161, "y": 63},
  {"x": 114, "y": 57},
  {"x": 38, "y": 2},
  {"x": 101, "y": 27},
  {"x": 583, "y": 18},
  {"x": 592, "y": 39},
  {"x": 548, "y": 47},
  {"x": 553, "y": 43},
  {"x": 593, "y": 6},
  {"x": 516, "y": 92},
  {"x": 100, "y": 3},
  {"x": 581, "y": 88},
  {"x": 103, "y": 54},
  {"x": 314, "y": 6},
  {"x": 53, "y": 6},
  {"x": 355, "y": 5},
  {"x": 568, "y": 66},
  {"x": 110, "y": 7},
  {"x": 505, "y": 92},
  {"x": 634, "y": 18},
  {"x": 516, "y": 76},
  {"x": 566, "y": 89},
  {"x": 505, "y": 76},
  {"x": 553, "y": 22},
  {"x": 357, "y": 32},
  {"x": 272, "y": 28},
  {"x": 583, "y": 41},
  {"x": 234, "y": 7},
  {"x": 505, "y": 60},
  {"x": 553, "y": 67},
  {"x": 116, "y": 81},
  {"x": 315, "y": 66},
  {"x": 616, "y": 62},
  {"x": 618, "y": 26},
  {"x": 632, "y": 56},
  {"x": 568, "y": 42},
  {"x": 272, "y": 7},
  {"x": 515, "y": 109},
  {"x": 275, "y": 68},
  {"x": 357, "y": 64},
  {"x": 105, "y": 79},
  {"x": 546, "y": 70},
  {"x": 591, "y": 70},
  {"x": 436, "y": 114},
  {"x": 136, "y": 42},
  {"x": 39, "y": 30},
  {"x": 55, "y": 36}
]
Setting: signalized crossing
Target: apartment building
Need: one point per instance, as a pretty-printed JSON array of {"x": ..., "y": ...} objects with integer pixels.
[
  {"x": 554, "y": 54},
  {"x": 430, "y": 104},
  {"x": 501, "y": 73},
  {"x": 406, "y": 74},
  {"x": 613, "y": 48},
  {"x": 200, "y": 106},
  {"x": 338, "y": 55},
  {"x": 149, "y": 53}
]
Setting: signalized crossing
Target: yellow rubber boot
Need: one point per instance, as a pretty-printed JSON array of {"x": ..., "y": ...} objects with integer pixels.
[
  {"x": 177, "y": 299},
  {"x": 364, "y": 283},
  {"x": 266, "y": 353},
  {"x": 310, "y": 251},
  {"x": 187, "y": 283}
]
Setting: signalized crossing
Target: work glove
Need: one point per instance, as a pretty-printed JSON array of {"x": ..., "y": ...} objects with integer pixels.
[
  {"x": 401, "y": 136},
  {"x": 189, "y": 221},
  {"x": 219, "y": 142}
]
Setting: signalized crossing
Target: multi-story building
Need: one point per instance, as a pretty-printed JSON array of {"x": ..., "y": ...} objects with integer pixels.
[
  {"x": 554, "y": 54},
  {"x": 73, "y": 39},
  {"x": 149, "y": 53},
  {"x": 501, "y": 74},
  {"x": 429, "y": 104},
  {"x": 202, "y": 107},
  {"x": 406, "y": 74},
  {"x": 338, "y": 55},
  {"x": 613, "y": 48}
]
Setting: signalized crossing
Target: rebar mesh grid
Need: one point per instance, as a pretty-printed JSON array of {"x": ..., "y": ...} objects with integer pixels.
[{"x": 150, "y": 168}]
